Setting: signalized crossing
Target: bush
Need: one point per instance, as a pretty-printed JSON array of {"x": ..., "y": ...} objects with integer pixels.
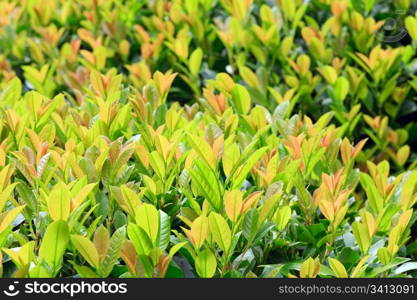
[{"x": 203, "y": 138}]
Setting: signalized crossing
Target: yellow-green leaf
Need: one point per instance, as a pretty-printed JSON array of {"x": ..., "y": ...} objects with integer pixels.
[
  {"x": 5, "y": 194},
  {"x": 194, "y": 63},
  {"x": 147, "y": 217},
  {"x": 8, "y": 217},
  {"x": 54, "y": 244},
  {"x": 282, "y": 216},
  {"x": 206, "y": 264},
  {"x": 310, "y": 268},
  {"x": 341, "y": 88},
  {"x": 361, "y": 236},
  {"x": 59, "y": 204},
  {"x": 337, "y": 268},
  {"x": 22, "y": 256},
  {"x": 329, "y": 74},
  {"x": 231, "y": 155},
  {"x": 411, "y": 25},
  {"x": 220, "y": 231},
  {"x": 241, "y": 99},
  {"x": 82, "y": 195},
  {"x": 87, "y": 249}
]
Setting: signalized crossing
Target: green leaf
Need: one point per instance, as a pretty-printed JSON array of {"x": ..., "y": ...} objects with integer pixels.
[
  {"x": 310, "y": 268},
  {"x": 85, "y": 272},
  {"x": 5, "y": 194},
  {"x": 207, "y": 183},
  {"x": 59, "y": 204},
  {"x": 385, "y": 216},
  {"x": 12, "y": 92},
  {"x": 384, "y": 256},
  {"x": 395, "y": 262},
  {"x": 337, "y": 268},
  {"x": 140, "y": 239},
  {"x": 83, "y": 194},
  {"x": 230, "y": 157},
  {"x": 203, "y": 149},
  {"x": 86, "y": 248},
  {"x": 113, "y": 253},
  {"x": 282, "y": 217},
  {"x": 289, "y": 8},
  {"x": 329, "y": 73},
  {"x": 4, "y": 235},
  {"x": 206, "y": 264},
  {"x": 22, "y": 256},
  {"x": 157, "y": 164},
  {"x": 165, "y": 230},
  {"x": 54, "y": 244},
  {"x": 241, "y": 99},
  {"x": 361, "y": 236},
  {"x": 8, "y": 217},
  {"x": 176, "y": 248},
  {"x": 411, "y": 25},
  {"x": 147, "y": 217},
  {"x": 194, "y": 63},
  {"x": 341, "y": 89},
  {"x": 250, "y": 224},
  {"x": 374, "y": 199},
  {"x": 243, "y": 171},
  {"x": 220, "y": 231}
]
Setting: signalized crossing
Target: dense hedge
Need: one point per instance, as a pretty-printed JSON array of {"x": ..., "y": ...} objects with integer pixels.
[{"x": 230, "y": 138}]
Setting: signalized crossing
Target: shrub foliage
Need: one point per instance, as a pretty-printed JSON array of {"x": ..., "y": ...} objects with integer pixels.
[{"x": 205, "y": 138}]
